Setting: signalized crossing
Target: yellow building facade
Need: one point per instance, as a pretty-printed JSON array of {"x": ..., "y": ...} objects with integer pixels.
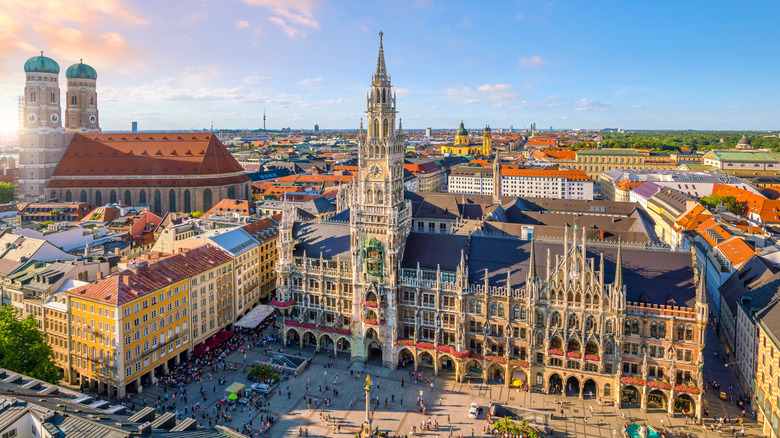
[
  {"x": 462, "y": 144},
  {"x": 130, "y": 328},
  {"x": 767, "y": 381}
]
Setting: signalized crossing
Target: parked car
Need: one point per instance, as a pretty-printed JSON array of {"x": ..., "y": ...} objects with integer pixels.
[
  {"x": 474, "y": 411},
  {"x": 260, "y": 388}
]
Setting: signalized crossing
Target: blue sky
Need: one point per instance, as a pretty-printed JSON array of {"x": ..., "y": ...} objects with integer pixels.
[{"x": 181, "y": 64}]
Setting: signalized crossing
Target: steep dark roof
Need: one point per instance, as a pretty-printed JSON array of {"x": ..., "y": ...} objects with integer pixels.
[
  {"x": 332, "y": 240},
  {"x": 652, "y": 276},
  {"x": 751, "y": 274},
  {"x": 431, "y": 250}
]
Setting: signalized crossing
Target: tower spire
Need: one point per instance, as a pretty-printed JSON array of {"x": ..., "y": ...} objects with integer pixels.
[
  {"x": 619, "y": 267},
  {"x": 381, "y": 68},
  {"x": 532, "y": 262}
]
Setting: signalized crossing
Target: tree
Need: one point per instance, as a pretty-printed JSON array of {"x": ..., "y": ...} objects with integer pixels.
[
  {"x": 6, "y": 192},
  {"x": 730, "y": 202},
  {"x": 23, "y": 347}
]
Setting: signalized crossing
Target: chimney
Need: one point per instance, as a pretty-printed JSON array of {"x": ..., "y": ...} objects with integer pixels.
[
  {"x": 100, "y": 275},
  {"x": 125, "y": 279}
]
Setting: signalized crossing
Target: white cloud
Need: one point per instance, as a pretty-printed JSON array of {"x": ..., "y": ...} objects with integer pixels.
[
  {"x": 313, "y": 82},
  {"x": 402, "y": 91},
  {"x": 255, "y": 78},
  {"x": 471, "y": 102},
  {"x": 289, "y": 30},
  {"x": 290, "y": 15},
  {"x": 592, "y": 105},
  {"x": 242, "y": 24},
  {"x": 531, "y": 61},
  {"x": 496, "y": 87},
  {"x": 636, "y": 106},
  {"x": 434, "y": 108}
]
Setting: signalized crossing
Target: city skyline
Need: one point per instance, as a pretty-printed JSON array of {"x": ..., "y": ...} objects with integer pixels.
[{"x": 178, "y": 65}]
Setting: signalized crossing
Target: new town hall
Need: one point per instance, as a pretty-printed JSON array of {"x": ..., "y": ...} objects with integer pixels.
[{"x": 462, "y": 286}]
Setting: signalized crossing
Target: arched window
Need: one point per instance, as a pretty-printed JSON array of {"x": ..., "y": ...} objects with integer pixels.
[
  {"x": 142, "y": 197},
  {"x": 157, "y": 202},
  {"x": 501, "y": 310},
  {"x": 112, "y": 197},
  {"x": 375, "y": 131},
  {"x": 479, "y": 307},
  {"x": 378, "y": 96},
  {"x": 493, "y": 309},
  {"x": 653, "y": 329},
  {"x": 662, "y": 330},
  {"x": 231, "y": 193},
  {"x": 608, "y": 327},
  {"x": 385, "y": 128},
  {"x": 98, "y": 198},
  {"x": 539, "y": 338},
  {"x": 53, "y": 195},
  {"x": 172, "y": 200},
  {"x": 83, "y": 196},
  {"x": 555, "y": 320},
  {"x": 516, "y": 312},
  {"x": 68, "y": 196},
  {"x": 472, "y": 306},
  {"x": 32, "y": 96},
  {"x": 128, "y": 198},
  {"x": 53, "y": 98},
  {"x": 73, "y": 100},
  {"x": 380, "y": 199},
  {"x": 607, "y": 390},
  {"x": 384, "y": 97},
  {"x": 523, "y": 313},
  {"x": 207, "y": 200},
  {"x": 187, "y": 202},
  {"x": 680, "y": 332},
  {"x": 635, "y": 327},
  {"x": 688, "y": 333},
  {"x": 91, "y": 100}
]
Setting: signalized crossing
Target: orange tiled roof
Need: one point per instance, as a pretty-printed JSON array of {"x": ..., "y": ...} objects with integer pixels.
[
  {"x": 130, "y": 284},
  {"x": 238, "y": 206},
  {"x": 146, "y": 154},
  {"x": 736, "y": 250},
  {"x": 629, "y": 185},
  {"x": 693, "y": 218},
  {"x": 767, "y": 209}
]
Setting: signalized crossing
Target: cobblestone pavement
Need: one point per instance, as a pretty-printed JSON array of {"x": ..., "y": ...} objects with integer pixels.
[{"x": 348, "y": 408}]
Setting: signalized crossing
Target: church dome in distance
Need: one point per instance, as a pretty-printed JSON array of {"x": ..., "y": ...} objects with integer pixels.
[
  {"x": 743, "y": 140},
  {"x": 81, "y": 71},
  {"x": 41, "y": 64},
  {"x": 462, "y": 130}
]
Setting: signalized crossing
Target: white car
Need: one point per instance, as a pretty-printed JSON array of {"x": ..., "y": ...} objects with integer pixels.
[{"x": 474, "y": 411}]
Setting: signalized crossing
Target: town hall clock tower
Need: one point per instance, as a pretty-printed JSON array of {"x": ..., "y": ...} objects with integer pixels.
[{"x": 380, "y": 220}]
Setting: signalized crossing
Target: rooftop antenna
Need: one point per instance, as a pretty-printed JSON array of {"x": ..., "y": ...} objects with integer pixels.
[
  {"x": 212, "y": 126},
  {"x": 263, "y": 119}
]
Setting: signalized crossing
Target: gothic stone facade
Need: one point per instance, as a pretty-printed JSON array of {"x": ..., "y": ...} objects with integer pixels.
[{"x": 584, "y": 318}]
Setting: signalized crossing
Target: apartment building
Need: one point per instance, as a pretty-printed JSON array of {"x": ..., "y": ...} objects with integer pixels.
[{"x": 130, "y": 327}]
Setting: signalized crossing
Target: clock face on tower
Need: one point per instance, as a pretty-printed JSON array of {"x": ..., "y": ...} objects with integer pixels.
[
  {"x": 92, "y": 118},
  {"x": 375, "y": 171}
]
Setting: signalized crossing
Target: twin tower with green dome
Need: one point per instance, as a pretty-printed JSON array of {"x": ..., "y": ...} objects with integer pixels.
[
  {"x": 42, "y": 96},
  {"x": 43, "y": 137}
]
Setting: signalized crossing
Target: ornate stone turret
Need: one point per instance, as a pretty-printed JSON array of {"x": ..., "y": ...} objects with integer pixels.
[{"x": 701, "y": 300}]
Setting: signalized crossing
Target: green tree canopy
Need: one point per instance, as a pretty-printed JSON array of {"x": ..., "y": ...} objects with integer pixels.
[
  {"x": 6, "y": 192},
  {"x": 23, "y": 347},
  {"x": 730, "y": 202}
]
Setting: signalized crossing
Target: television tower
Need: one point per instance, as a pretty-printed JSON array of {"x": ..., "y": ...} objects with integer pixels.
[{"x": 263, "y": 119}]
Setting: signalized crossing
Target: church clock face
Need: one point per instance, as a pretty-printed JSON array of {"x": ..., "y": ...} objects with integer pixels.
[
  {"x": 54, "y": 118},
  {"x": 31, "y": 118},
  {"x": 92, "y": 118},
  {"x": 375, "y": 171}
]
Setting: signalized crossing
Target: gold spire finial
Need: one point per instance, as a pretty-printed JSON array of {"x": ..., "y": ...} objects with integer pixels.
[
  {"x": 380, "y": 36},
  {"x": 368, "y": 378},
  {"x": 41, "y": 52}
]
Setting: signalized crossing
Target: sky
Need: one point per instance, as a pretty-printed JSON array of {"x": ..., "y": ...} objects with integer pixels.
[{"x": 185, "y": 64}]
